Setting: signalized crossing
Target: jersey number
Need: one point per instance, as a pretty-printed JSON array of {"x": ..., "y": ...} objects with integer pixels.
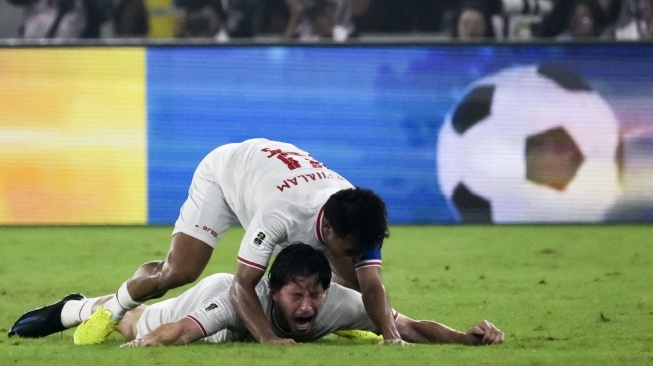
[{"x": 288, "y": 158}]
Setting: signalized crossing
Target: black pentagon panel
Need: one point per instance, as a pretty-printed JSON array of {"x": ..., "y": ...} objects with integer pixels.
[
  {"x": 474, "y": 108},
  {"x": 472, "y": 208},
  {"x": 566, "y": 78},
  {"x": 552, "y": 158}
]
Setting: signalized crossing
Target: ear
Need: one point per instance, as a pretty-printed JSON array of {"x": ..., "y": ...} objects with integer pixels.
[
  {"x": 275, "y": 296},
  {"x": 326, "y": 226}
]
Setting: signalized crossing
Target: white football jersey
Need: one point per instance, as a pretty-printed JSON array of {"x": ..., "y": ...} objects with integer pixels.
[
  {"x": 277, "y": 194},
  {"x": 275, "y": 190},
  {"x": 207, "y": 304}
]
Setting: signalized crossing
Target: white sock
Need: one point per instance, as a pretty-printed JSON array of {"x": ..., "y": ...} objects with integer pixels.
[
  {"x": 120, "y": 303},
  {"x": 76, "y": 311}
]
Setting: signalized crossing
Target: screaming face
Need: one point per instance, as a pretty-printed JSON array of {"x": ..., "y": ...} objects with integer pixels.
[{"x": 297, "y": 305}]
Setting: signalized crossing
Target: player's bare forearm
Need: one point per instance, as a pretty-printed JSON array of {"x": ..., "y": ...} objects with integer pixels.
[
  {"x": 426, "y": 331},
  {"x": 377, "y": 304},
  {"x": 243, "y": 296},
  {"x": 378, "y": 308},
  {"x": 423, "y": 331},
  {"x": 251, "y": 311},
  {"x": 172, "y": 334}
]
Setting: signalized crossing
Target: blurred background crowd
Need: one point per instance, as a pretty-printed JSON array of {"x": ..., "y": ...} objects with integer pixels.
[{"x": 332, "y": 20}]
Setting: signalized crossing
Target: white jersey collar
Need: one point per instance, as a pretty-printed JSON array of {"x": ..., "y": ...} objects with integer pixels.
[{"x": 318, "y": 225}]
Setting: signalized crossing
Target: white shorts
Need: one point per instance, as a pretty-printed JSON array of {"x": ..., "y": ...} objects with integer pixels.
[{"x": 206, "y": 215}]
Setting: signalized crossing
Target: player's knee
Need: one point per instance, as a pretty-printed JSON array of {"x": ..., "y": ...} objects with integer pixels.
[{"x": 174, "y": 277}]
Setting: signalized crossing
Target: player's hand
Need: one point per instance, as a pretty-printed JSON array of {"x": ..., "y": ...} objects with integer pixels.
[
  {"x": 394, "y": 341},
  {"x": 484, "y": 333},
  {"x": 141, "y": 342}
]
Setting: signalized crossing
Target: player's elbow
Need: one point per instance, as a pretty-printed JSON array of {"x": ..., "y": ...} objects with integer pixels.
[{"x": 409, "y": 330}]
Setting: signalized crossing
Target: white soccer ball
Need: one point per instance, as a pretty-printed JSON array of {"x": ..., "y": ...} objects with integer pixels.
[{"x": 530, "y": 144}]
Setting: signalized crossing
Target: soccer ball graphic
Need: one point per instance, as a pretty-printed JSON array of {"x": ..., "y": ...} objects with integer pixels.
[{"x": 530, "y": 144}]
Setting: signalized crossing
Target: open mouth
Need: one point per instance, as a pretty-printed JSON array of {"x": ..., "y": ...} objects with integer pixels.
[{"x": 303, "y": 323}]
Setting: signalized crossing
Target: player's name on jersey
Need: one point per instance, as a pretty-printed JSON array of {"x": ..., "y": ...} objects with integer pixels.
[{"x": 307, "y": 178}]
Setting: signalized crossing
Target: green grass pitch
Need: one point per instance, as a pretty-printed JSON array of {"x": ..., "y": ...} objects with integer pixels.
[{"x": 564, "y": 295}]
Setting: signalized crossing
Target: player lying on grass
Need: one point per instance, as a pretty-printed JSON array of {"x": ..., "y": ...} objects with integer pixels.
[
  {"x": 298, "y": 298},
  {"x": 281, "y": 195}
]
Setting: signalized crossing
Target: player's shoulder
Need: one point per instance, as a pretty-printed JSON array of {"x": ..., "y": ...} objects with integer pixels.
[
  {"x": 263, "y": 143},
  {"x": 342, "y": 303},
  {"x": 289, "y": 207},
  {"x": 336, "y": 293}
]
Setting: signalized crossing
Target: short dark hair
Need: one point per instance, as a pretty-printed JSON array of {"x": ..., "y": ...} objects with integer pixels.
[
  {"x": 359, "y": 212},
  {"x": 299, "y": 260}
]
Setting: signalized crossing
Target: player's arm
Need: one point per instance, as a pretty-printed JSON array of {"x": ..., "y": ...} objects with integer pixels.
[
  {"x": 266, "y": 230},
  {"x": 244, "y": 298},
  {"x": 181, "y": 332},
  {"x": 377, "y": 305},
  {"x": 425, "y": 331},
  {"x": 367, "y": 280}
]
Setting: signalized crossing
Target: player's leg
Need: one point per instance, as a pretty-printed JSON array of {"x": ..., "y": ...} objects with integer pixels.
[
  {"x": 204, "y": 217},
  {"x": 76, "y": 312},
  {"x": 43, "y": 321},
  {"x": 184, "y": 263},
  {"x": 66, "y": 313},
  {"x": 128, "y": 326}
]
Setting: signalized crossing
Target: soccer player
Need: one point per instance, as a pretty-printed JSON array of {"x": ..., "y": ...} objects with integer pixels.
[
  {"x": 280, "y": 195},
  {"x": 298, "y": 300}
]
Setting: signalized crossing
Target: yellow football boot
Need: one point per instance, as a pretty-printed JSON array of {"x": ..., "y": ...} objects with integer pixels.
[
  {"x": 96, "y": 329},
  {"x": 359, "y": 335}
]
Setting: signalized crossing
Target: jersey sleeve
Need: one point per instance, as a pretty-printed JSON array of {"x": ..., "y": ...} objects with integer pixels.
[
  {"x": 214, "y": 315},
  {"x": 371, "y": 258},
  {"x": 217, "y": 314},
  {"x": 264, "y": 233}
]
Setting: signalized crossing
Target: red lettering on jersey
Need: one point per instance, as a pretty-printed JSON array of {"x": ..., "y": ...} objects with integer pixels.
[
  {"x": 295, "y": 181},
  {"x": 287, "y": 158},
  {"x": 272, "y": 152},
  {"x": 208, "y": 229},
  {"x": 316, "y": 164},
  {"x": 285, "y": 185},
  {"x": 290, "y": 162}
]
